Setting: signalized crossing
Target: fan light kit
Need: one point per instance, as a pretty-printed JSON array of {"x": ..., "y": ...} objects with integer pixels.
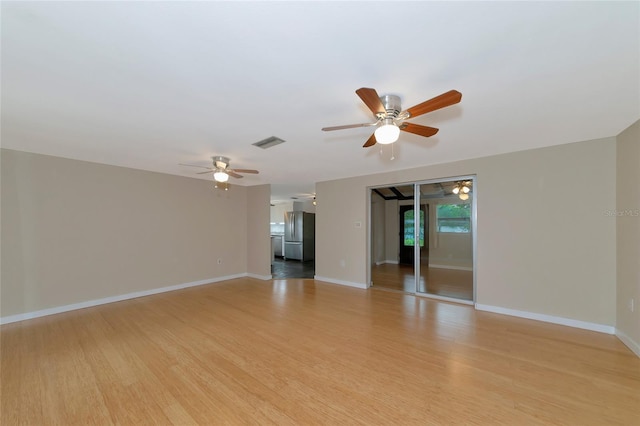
[
  {"x": 221, "y": 170},
  {"x": 462, "y": 189},
  {"x": 220, "y": 176},
  {"x": 390, "y": 118},
  {"x": 387, "y": 133}
]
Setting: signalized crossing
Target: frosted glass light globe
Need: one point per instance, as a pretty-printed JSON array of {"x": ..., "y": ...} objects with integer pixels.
[
  {"x": 221, "y": 176},
  {"x": 387, "y": 133}
]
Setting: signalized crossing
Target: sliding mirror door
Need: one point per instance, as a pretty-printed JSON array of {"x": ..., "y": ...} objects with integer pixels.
[
  {"x": 446, "y": 269},
  {"x": 423, "y": 238},
  {"x": 392, "y": 230}
]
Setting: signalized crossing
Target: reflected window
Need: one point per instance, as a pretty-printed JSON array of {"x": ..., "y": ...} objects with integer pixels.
[
  {"x": 409, "y": 225},
  {"x": 454, "y": 218}
]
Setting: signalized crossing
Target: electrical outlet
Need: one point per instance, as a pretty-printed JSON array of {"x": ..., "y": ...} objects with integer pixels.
[
  {"x": 631, "y": 305},
  {"x": 219, "y": 261}
]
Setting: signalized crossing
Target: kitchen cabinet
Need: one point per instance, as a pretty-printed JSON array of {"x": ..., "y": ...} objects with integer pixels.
[{"x": 276, "y": 241}]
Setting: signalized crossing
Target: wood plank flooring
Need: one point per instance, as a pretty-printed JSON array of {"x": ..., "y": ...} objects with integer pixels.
[
  {"x": 291, "y": 352},
  {"x": 453, "y": 283}
]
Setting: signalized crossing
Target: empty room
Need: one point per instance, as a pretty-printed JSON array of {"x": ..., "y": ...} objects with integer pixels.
[{"x": 320, "y": 213}]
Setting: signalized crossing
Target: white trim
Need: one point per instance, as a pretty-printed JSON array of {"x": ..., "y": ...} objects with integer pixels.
[
  {"x": 347, "y": 283},
  {"x": 382, "y": 262},
  {"x": 444, "y": 298},
  {"x": 601, "y": 328},
  {"x": 259, "y": 277},
  {"x": 458, "y": 268},
  {"x": 111, "y": 299},
  {"x": 624, "y": 338}
]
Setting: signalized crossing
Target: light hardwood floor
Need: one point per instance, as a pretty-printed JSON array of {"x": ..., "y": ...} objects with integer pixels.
[
  {"x": 303, "y": 352},
  {"x": 453, "y": 283}
]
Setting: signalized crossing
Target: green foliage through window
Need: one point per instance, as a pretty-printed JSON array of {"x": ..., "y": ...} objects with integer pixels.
[
  {"x": 409, "y": 224},
  {"x": 454, "y": 218}
]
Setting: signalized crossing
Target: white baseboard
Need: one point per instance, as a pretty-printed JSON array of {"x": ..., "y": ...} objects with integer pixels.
[
  {"x": 260, "y": 277},
  {"x": 458, "y": 268},
  {"x": 634, "y": 346},
  {"x": 382, "y": 262},
  {"x": 601, "y": 328},
  {"x": 444, "y": 298},
  {"x": 347, "y": 283},
  {"x": 111, "y": 299}
]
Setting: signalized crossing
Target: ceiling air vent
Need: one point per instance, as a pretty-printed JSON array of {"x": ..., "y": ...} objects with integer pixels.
[{"x": 268, "y": 142}]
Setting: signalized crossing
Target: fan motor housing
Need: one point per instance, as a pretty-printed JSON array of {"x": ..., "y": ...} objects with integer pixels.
[
  {"x": 220, "y": 162},
  {"x": 391, "y": 105}
]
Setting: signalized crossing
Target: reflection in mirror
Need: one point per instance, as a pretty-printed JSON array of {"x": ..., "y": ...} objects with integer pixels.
[
  {"x": 435, "y": 245},
  {"x": 392, "y": 237}
]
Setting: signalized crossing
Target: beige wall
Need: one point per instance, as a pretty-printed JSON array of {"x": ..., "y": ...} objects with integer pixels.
[
  {"x": 341, "y": 231},
  {"x": 258, "y": 231},
  {"x": 74, "y": 231},
  {"x": 392, "y": 231},
  {"x": 452, "y": 250},
  {"x": 377, "y": 229},
  {"x": 544, "y": 244},
  {"x": 627, "y": 217}
]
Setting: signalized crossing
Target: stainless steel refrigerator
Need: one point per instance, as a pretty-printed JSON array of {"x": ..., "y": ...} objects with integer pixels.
[{"x": 299, "y": 236}]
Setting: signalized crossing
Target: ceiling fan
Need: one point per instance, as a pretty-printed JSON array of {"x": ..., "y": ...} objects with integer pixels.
[
  {"x": 390, "y": 118},
  {"x": 221, "y": 170},
  {"x": 462, "y": 189}
]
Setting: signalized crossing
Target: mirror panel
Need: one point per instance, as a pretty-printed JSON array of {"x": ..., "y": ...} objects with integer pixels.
[{"x": 429, "y": 252}]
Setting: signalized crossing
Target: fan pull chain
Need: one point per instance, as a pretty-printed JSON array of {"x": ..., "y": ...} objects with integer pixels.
[{"x": 392, "y": 155}]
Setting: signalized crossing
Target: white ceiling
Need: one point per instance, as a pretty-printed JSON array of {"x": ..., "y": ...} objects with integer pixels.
[{"x": 149, "y": 85}]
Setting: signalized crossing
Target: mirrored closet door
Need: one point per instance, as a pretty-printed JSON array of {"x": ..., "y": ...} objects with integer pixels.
[{"x": 422, "y": 238}]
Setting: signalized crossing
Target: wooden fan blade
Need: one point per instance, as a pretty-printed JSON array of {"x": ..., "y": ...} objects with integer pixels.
[
  {"x": 204, "y": 173},
  {"x": 371, "y": 99},
  {"x": 234, "y": 174},
  {"x": 370, "y": 142},
  {"x": 348, "y": 126},
  {"x": 193, "y": 165},
  {"x": 418, "y": 129},
  {"x": 255, "y": 172},
  {"x": 446, "y": 99}
]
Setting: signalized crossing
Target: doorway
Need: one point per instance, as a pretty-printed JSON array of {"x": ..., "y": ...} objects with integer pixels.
[
  {"x": 406, "y": 251},
  {"x": 293, "y": 222},
  {"x": 431, "y": 253},
  {"x": 282, "y": 268}
]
